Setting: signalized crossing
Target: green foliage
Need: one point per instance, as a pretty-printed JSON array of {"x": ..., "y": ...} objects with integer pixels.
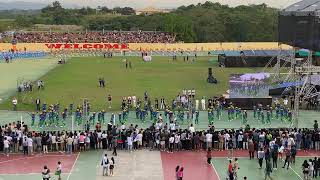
[
  {"x": 124, "y": 11},
  {"x": 23, "y": 21},
  {"x": 207, "y": 22},
  {"x": 7, "y": 24}
]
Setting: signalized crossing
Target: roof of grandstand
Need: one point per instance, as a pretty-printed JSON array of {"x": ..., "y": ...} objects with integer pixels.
[
  {"x": 252, "y": 52},
  {"x": 304, "y": 6}
]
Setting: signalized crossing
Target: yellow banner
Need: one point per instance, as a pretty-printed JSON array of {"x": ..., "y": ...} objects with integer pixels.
[{"x": 144, "y": 46}]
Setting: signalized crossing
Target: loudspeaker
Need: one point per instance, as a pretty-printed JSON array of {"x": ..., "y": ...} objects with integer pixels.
[{"x": 209, "y": 71}]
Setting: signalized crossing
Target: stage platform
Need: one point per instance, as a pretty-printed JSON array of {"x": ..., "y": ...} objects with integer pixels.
[{"x": 248, "y": 103}]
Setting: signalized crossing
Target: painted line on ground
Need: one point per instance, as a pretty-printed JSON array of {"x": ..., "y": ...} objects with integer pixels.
[
  {"x": 242, "y": 157},
  {"x": 31, "y": 157},
  {"x": 294, "y": 171},
  {"x": 26, "y": 174},
  {"x": 215, "y": 171},
  {"x": 74, "y": 164}
]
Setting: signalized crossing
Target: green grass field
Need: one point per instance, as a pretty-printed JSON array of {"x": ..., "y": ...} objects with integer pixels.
[
  {"x": 79, "y": 79},
  {"x": 22, "y": 70}
]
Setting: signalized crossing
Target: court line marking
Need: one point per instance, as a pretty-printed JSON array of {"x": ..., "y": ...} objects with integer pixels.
[
  {"x": 24, "y": 158},
  {"x": 246, "y": 157},
  {"x": 26, "y": 174},
  {"x": 243, "y": 157},
  {"x": 74, "y": 164},
  {"x": 294, "y": 171},
  {"x": 215, "y": 171}
]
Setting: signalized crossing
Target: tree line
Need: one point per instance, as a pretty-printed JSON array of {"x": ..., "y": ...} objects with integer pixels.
[{"x": 206, "y": 22}]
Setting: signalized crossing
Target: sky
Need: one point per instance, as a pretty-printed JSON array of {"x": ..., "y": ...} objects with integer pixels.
[{"x": 138, "y": 4}]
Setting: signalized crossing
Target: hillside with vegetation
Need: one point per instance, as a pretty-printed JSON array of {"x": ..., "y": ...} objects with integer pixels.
[{"x": 207, "y": 22}]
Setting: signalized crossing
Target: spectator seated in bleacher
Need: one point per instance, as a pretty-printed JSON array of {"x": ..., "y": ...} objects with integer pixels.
[{"x": 94, "y": 37}]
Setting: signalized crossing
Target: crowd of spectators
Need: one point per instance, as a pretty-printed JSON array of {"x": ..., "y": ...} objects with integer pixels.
[
  {"x": 94, "y": 37},
  {"x": 162, "y": 136}
]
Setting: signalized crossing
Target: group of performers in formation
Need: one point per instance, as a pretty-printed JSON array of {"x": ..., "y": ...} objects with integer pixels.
[
  {"x": 249, "y": 88},
  {"x": 178, "y": 112}
]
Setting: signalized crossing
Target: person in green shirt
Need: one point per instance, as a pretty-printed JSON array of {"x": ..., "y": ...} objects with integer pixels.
[
  {"x": 268, "y": 117},
  {"x": 244, "y": 117},
  {"x": 268, "y": 170},
  {"x": 259, "y": 113},
  {"x": 262, "y": 117},
  {"x": 197, "y": 118},
  {"x": 281, "y": 114},
  {"x": 229, "y": 113},
  {"x": 254, "y": 111},
  {"x": 218, "y": 109}
]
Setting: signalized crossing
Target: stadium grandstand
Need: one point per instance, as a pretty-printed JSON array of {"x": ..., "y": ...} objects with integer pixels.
[{"x": 90, "y": 37}]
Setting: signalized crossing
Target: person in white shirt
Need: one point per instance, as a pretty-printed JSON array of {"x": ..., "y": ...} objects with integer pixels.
[
  {"x": 75, "y": 143},
  {"x": 6, "y": 146},
  {"x": 291, "y": 142},
  {"x": 193, "y": 93},
  {"x": 129, "y": 141},
  {"x": 177, "y": 142},
  {"x": 160, "y": 118},
  {"x": 240, "y": 140},
  {"x": 54, "y": 145},
  {"x": 203, "y": 104},
  {"x": 171, "y": 143},
  {"x": 59, "y": 170},
  {"x": 191, "y": 128},
  {"x": 189, "y": 93},
  {"x": 139, "y": 139},
  {"x": 184, "y": 92},
  {"x": 285, "y": 102},
  {"x": 105, "y": 165},
  {"x": 123, "y": 127},
  {"x": 134, "y": 101},
  {"x": 197, "y": 104},
  {"x": 172, "y": 126},
  {"x": 112, "y": 164},
  {"x": 158, "y": 125},
  {"x": 30, "y": 143},
  {"x": 226, "y": 140},
  {"x": 14, "y": 103},
  {"x": 209, "y": 140}
]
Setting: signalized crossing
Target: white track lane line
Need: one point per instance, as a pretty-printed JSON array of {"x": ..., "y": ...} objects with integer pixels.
[{"x": 74, "y": 163}]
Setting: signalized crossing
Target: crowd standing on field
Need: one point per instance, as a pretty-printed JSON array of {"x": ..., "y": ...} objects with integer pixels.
[
  {"x": 165, "y": 133},
  {"x": 262, "y": 144}
]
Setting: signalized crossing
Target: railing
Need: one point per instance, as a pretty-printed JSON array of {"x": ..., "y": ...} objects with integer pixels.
[{"x": 22, "y": 55}]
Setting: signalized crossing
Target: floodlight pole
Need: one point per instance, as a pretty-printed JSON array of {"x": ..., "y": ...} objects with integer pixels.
[
  {"x": 296, "y": 101},
  {"x": 72, "y": 124},
  {"x": 85, "y": 107}
]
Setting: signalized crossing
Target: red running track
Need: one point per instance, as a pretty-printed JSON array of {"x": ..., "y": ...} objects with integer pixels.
[
  {"x": 196, "y": 167},
  {"x": 20, "y": 164},
  {"x": 245, "y": 153},
  {"x": 194, "y": 164}
]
